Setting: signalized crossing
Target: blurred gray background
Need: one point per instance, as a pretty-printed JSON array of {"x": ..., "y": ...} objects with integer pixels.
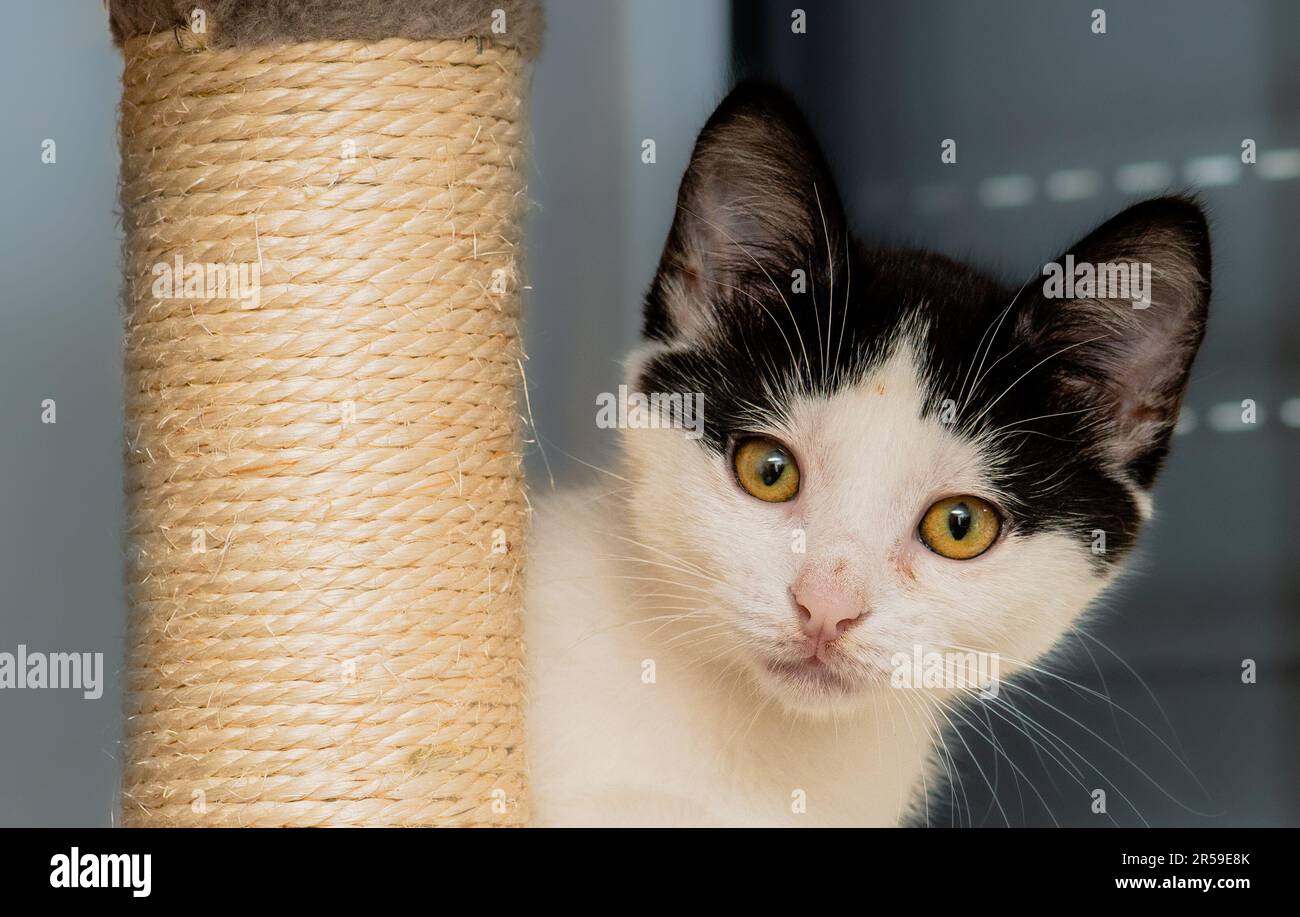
[{"x": 1056, "y": 129}]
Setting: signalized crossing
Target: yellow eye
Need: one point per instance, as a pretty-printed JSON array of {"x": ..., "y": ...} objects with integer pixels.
[
  {"x": 766, "y": 469},
  {"x": 960, "y": 527}
]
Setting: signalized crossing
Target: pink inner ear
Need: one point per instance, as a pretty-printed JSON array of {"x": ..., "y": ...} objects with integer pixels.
[
  {"x": 1137, "y": 373},
  {"x": 1131, "y": 362}
]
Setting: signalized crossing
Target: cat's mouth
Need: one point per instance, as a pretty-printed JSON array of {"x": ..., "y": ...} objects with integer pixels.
[{"x": 812, "y": 674}]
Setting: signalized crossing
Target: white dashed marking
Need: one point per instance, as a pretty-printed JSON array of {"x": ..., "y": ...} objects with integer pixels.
[
  {"x": 1225, "y": 417},
  {"x": 1213, "y": 171},
  {"x": 1073, "y": 184},
  {"x": 1289, "y": 412},
  {"x": 1143, "y": 177},
  {"x": 1279, "y": 165},
  {"x": 1007, "y": 191}
]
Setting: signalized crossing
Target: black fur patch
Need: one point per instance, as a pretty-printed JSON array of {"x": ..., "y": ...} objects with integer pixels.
[{"x": 1081, "y": 395}]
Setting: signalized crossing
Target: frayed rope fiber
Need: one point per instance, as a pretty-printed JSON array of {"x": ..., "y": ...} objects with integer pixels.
[{"x": 325, "y": 497}]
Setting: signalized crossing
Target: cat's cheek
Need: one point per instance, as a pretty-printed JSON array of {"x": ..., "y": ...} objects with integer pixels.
[
  {"x": 686, "y": 502},
  {"x": 1047, "y": 581},
  {"x": 1015, "y": 600}
]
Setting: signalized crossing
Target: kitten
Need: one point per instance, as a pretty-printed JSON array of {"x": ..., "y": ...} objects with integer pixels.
[{"x": 900, "y": 457}]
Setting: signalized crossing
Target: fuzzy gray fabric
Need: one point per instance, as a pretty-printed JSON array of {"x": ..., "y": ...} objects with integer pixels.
[{"x": 244, "y": 23}]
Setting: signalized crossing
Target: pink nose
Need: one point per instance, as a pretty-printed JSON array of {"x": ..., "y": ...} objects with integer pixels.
[{"x": 826, "y": 610}]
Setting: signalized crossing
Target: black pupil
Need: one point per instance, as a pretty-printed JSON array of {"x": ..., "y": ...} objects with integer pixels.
[
  {"x": 959, "y": 521},
  {"x": 771, "y": 468}
]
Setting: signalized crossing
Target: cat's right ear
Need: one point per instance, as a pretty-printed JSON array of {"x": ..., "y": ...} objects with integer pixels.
[
  {"x": 1120, "y": 345},
  {"x": 757, "y": 203}
]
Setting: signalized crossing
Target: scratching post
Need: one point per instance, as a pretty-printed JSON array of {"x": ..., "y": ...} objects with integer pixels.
[{"x": 325, "y": 503}]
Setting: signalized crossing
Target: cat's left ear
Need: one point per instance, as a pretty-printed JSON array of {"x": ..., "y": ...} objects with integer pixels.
[
  {"x": 756, "y": 204},
  {"x": 1117, "y": 321}
]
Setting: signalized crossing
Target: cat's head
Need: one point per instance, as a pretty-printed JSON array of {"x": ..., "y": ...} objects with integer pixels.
[{"x": 899, "y": 453}]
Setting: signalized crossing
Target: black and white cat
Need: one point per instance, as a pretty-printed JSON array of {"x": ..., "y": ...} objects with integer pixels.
[{"x": 899, "y": 456}]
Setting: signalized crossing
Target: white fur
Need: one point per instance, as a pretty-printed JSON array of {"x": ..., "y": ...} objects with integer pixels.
[{"x": 673, "y": 565}]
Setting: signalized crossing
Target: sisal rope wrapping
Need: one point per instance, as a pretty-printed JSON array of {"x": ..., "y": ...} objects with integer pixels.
[{"x": 324, "y": 626}]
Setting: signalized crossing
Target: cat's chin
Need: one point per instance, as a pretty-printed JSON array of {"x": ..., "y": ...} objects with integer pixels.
[{"x": 811, "y": 686}]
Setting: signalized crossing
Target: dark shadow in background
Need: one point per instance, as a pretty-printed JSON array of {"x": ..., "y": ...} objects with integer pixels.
[{"x": 1028, "y": 91}]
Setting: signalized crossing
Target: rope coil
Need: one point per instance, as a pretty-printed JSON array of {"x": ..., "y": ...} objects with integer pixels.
[{"x": 325, "y": 504}]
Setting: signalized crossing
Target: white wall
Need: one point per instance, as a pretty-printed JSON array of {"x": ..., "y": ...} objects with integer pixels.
[{"x": 611, "y": 74}]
